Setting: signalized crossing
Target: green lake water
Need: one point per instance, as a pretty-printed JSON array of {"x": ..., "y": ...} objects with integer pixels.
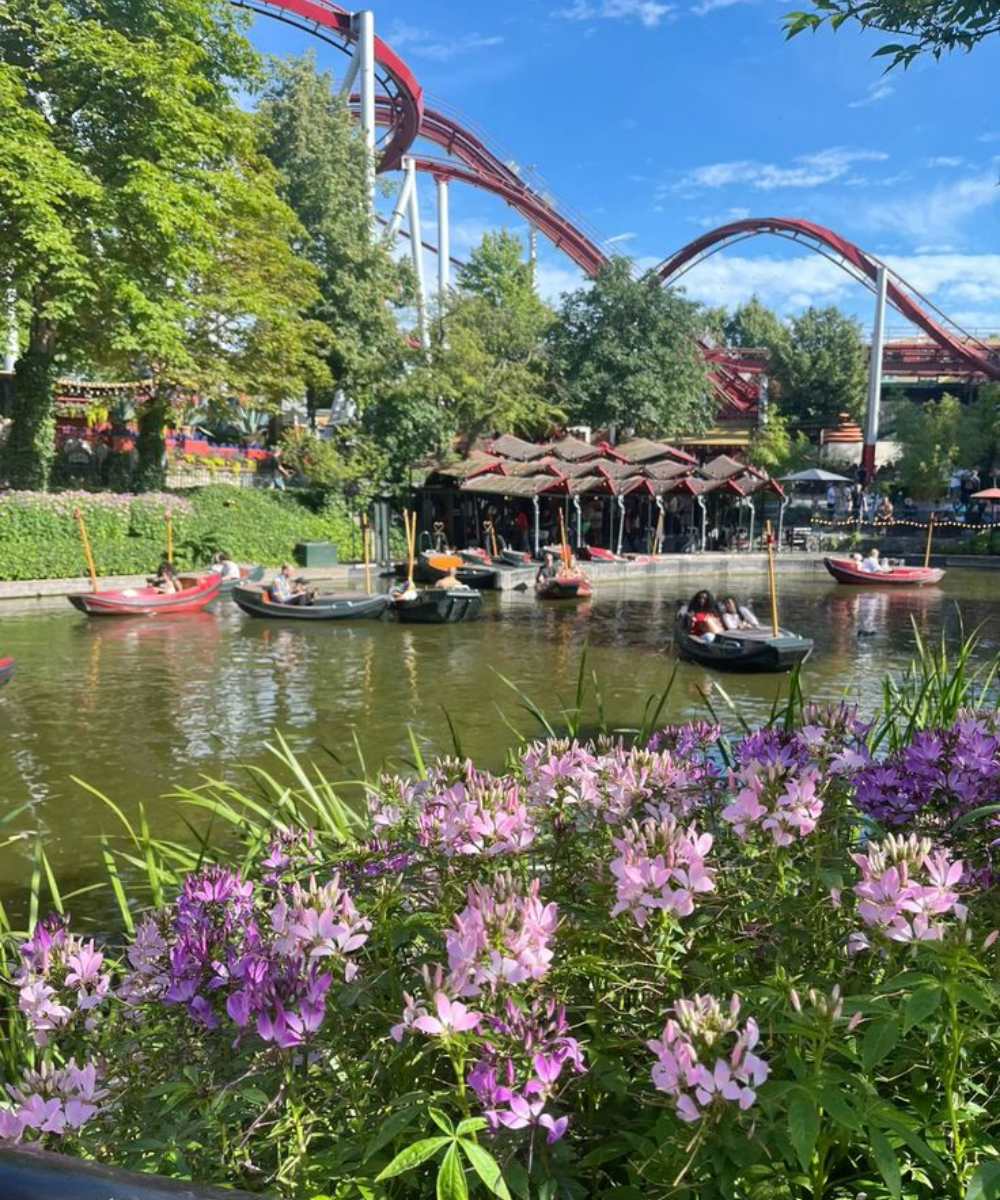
[{"x": 137, "y": 707}]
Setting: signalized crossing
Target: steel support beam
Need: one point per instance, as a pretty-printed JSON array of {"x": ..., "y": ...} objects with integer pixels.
[
  {"x": 364, "y": 28},
  {"x": 11, "y": 348},
  {"x": 444, "y": 241},
  {"x": 704, "y": 521},
  {"x": 402, "y": 202},
  {"x": 875, "y": 374},
  {"x": 417, "y": 254},
  {"x": 533, "y": 253}
]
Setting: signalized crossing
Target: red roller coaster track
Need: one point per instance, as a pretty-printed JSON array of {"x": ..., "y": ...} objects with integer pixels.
[{"x": 402, "y": 111}]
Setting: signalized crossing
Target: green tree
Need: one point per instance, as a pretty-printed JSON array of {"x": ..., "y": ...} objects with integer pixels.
[
  {"x": 119, "y": 123},
  {"x": 821, "y": 367},
  {"x": 917, "y": 27},
  {"x": 929, "y": 436},
  {"x": 625, "y": 352},
  {"x": 774, "y": 447},
  {"x": 754, "y": 326},
  {"x": 314, "y": 143},
  {"x": 979, "y": 433},
  {"x": 489, "y": 360}
]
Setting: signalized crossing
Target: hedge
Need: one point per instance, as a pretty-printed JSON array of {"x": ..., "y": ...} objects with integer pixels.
[{"x": 39, "y": 540}]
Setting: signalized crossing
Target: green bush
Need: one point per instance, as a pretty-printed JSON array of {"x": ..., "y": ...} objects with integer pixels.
[{"x": 39, "y": 538}]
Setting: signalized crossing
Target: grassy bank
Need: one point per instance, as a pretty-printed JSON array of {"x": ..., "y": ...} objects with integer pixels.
[{"x": 39, "y": 540}]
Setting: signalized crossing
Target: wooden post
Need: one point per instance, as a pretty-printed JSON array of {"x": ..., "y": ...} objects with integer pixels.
[
  {"x": 930, "y": 538},
  {"x": 86, "y": 549},
  {"x": 658, "y": 534},
  {"x": 367, "y": 558},
  {"x": 770, "y": 579},
  {"x": 562, "y": 539},
  {"x": 411, "y": 541},
  {"x": 169, "y": 518}
]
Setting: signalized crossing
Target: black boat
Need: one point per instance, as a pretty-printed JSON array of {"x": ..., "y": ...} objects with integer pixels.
[
  {"x": 439, "y": 606},
  {"x": 515, "y": 558},
  {"x": 6, "y": 670},
  {"x": 248, "y": 574},
  {"x": 343, "y": 606},
  {"x": 746, "y": 650},
  {"x": 430, "y": 567}
]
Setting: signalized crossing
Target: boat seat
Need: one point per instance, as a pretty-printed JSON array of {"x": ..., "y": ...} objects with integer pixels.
[{"x": 264, "y": 597}]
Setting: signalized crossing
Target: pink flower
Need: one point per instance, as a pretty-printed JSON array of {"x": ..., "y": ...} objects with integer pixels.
[
  {"x": 660, "y": 865},
  {"x": 452, "y": 1017}
]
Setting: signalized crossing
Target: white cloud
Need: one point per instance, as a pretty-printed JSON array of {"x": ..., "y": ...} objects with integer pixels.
[
  {"x": 944, "y": 160},
  {"x": 807, "y": 170},
  {"x": 619, "y": 238},
  {"x": 422, "y": 43},
  {"x": 876, "y": 92},
  {"x": 707, "y": 6},
  {"x": 553, "y": 279},
  {"x": 647, "y": 12},
  {"x": 712, "y": 222},
  {"x": 936, "y": 216}
]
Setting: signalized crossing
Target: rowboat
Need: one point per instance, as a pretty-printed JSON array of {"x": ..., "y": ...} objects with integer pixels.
[
  {"x": 439, "y": 606},
  {"x": 430, "y": 567},
  {"x": 747, "y": 650},
  {"x": 342, "y": 606},
  {"x": 196, "y": 593},
  {"x": 846, "y": 570},
  {"x": 515, "y": 558},
  {"x": 563, "y": 589},
  {"x": 6, "y": 670}
]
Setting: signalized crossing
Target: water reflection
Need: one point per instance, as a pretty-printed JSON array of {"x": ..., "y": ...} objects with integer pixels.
[{"x": 137, "y": 707}]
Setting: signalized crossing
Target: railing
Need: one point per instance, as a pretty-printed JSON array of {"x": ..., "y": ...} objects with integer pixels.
[{"x": 37, "y": 1175}]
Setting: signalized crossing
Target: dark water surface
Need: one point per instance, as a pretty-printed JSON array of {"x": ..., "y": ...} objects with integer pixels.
[{"x": 137, "y": 707}]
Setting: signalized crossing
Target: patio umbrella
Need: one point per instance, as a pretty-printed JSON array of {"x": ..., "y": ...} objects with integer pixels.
[
  {"x": 987, "y": 494},
  {"x": 814, "y": 475}
]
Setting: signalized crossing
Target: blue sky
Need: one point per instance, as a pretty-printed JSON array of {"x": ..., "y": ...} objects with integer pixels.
[{"x": 658, "y": 120}]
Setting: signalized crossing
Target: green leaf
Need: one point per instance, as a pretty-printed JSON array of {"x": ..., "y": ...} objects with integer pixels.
[
  {"x": 803, "y": 1126},
  {"x": 471, "y": 1125},
  {"x": 486, "y": 1167},
  {"x": 442, "y": 1121},
  {"x": 885, "y": 1160},
  {"x": 837, "y": 1106},
  {"x": 920, "y": 1005},
  {"x": 412, "y": 1157},
  {"x": 880, "y": 1038},
  {"x": 985, "y": 1184},
  {"x": 390, "y": 1129},
  {"x": 451, "y": 1184}
]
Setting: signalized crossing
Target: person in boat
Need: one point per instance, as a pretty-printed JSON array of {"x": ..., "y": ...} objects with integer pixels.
[
  {"x": 547, "y": 571},
  {"x": 448, "y": 580},
  {"x": 166, "y": 579},
  {"x": 702, "y": 616},
  {"x": 286, "y": 590},
  {"x": 223, "y": 565},
  {"x": 874, "y": 564},
  {"x": 737, "y": 616},
  {"x": 569, "y": 569}
]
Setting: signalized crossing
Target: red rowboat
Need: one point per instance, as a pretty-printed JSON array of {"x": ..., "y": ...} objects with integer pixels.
[
  {"x": 6, "y": 670},
  {"x": 196, "y": 592},
  {"x": 563, "y": 589},
  {"x": 846, "y": 570}
]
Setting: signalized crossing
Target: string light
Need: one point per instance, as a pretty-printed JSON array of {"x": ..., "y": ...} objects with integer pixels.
[{"x": 884, "y": 526}]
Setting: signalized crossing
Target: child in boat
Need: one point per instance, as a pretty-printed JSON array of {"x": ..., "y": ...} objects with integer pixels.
[
  {"x": 737, "y": 616},
  {"x": 166, "y": 579},
  {"x": 703, "y": 616}
]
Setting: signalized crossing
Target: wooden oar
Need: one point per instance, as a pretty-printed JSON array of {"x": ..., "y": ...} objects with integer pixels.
[
  {"x": 411, "y": 541},
  {"x": 169, "y": 518},
  {"x": 770, "y": 578},
  {"x": 658, "y": 535},
  {"x": 367, "y": 558},
  {"x": 490, "y": 528},
  {"x": 86, "y": 549},
  {"x": 930, "y": 538},
  {"x": 562, "y": 539}
]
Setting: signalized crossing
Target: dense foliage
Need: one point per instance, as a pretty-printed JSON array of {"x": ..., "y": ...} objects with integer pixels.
[
  {"x": 760, "y": 968},
  {"x": 38, "y": 537}
]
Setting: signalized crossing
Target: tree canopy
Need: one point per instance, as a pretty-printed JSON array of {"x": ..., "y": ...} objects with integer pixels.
[
  {"x": 917, "y": 27},
  {"x": 754, "y": 325},
  {"x": 625, "y": 352},
  {"x": 820, "y": 366}
]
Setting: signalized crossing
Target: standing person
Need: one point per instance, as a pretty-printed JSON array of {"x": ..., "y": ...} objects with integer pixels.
[
  {"x": 523, "y": 525},
  {"x": 279, "y": 472},
  {"x": 857, "y": 502},
  {"x": 831, "y": 501},
  {"x": 955, "y": 485}
]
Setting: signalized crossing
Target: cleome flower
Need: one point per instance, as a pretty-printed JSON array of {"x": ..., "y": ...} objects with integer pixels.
[
  {"x": 660, "y": 865},
  {"x": 776, "y": 796}
]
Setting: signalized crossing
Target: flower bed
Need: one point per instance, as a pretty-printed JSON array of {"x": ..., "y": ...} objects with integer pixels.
[{"x": 704, "y": 967}]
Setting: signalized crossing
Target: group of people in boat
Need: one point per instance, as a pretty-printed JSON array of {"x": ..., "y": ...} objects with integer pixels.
[
  {"x": 704, "y": 616},
  {"x": 168, "y": 581},
  {"x": 873, "y": 562},
  {"x": 567, "y": 568}
]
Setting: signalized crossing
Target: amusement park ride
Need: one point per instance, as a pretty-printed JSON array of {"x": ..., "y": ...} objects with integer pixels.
[{"x": 386, "y": 96}]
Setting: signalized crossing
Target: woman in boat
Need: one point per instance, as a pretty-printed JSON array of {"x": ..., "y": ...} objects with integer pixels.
[
  {"x": 737, "y": 616},
  {"x": 874, "y": 564},
  {"x": 702, "y": 615},
  {"x": 166, "y": 579}
]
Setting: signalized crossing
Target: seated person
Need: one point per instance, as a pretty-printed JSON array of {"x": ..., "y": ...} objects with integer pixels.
[
  {"x": 737, "y": 616},
  {"x": 285, "y": 590},
  {"x": 548, "y": 570},
  {"x": 166, "y": 579},
  {"x": 874, "y": 564},
  {"x": 448, "y": 580},
  {"x": 703, "y": 616},
  {"x": 223, "y": 565},
  {"x": 570, "y": 569},
  {"x": 884, "y": 510}
]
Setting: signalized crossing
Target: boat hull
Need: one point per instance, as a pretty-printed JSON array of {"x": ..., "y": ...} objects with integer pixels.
[
  {"x": 845, "y": 571},
  {"x": 439, "y": 606},
  {"x": 429, "y": 568},
  {"x": 7, "y": 668},
  {"x": 754, "y": 650},
  {"x": 563, "y": 589},
  {"x": 249, "y": 574},
  {"x": 345, "y": 606},
  {"x": 147, "y": 602},
  {"x": 515, "y": 558}
]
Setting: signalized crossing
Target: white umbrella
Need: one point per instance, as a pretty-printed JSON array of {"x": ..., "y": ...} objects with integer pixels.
[{"x": 814, "y": 475}]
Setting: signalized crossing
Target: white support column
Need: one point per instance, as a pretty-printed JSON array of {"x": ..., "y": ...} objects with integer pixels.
[
  {"x": 579, "y": 522},
  {"x": 875, "y": 374},
  {"x": 538, "y": 526},
  {"x": 417, "y": 251},
  {"x": 533, "y": 253},
  {"x": 11, "y": 349},
  {"x": 364, "y": 25},
  {"x": 704, "y": 521},
  {"x": 620, "y": 500},
  {"x": 402, "y": 201},
  {"x": 444, "y": 240},
  {"x": 350, "y": 75}
]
